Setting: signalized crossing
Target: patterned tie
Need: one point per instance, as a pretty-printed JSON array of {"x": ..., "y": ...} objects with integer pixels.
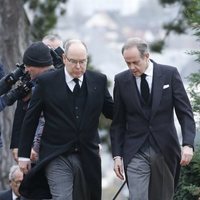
[
  {"x": 76, "y": 87},
  {"x": 144, "y": 88}
]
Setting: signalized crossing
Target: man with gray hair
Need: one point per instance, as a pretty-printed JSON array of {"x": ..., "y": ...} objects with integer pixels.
[
  {"x": 55, "y": 43},
  {"x": 143, "y": 134},
  {"x": 15, "y": 179},
  {"x": 52, "y": 41}
]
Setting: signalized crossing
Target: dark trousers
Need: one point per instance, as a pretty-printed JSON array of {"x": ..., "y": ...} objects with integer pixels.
[{"x": 149, "y": 177}]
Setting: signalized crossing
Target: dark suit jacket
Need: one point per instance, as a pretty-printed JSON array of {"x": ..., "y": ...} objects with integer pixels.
[
  {"x": 130, "y": 126},
  {"x": 6, "y": 195},
  {"x": 60, "y": 130}
]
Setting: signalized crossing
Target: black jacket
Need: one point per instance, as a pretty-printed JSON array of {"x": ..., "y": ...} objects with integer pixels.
[
  {"x": 131, "y": 127},
  {"x": 60, "y": 130}
]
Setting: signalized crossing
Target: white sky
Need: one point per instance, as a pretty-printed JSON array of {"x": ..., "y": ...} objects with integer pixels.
[{"x": 87, "y": 7}]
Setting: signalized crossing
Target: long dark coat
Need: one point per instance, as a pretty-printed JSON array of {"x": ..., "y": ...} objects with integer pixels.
[
  {"x": 130, "y": 126},
  {"x": 60, "y": 130}
]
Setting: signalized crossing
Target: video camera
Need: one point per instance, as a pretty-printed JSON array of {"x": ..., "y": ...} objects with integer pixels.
[
  {"x": 9, "y": 80},
  {"x": 57, "y": 57},
  {"x": 23, "y": 88},
  {"x": 23, "y": 78}
]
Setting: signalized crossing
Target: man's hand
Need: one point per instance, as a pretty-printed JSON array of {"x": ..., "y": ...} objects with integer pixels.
[
  {"x": 118, "y": 167},
  {"x": 34, "y": 155},
  {"x": 187, "y": 154},
  {"x": 24, "y": 166},
  {"x": 15, "y": 154}
]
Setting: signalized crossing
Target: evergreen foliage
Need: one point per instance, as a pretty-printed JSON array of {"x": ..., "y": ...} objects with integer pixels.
[
  {"x": 187, "y": 18},
  {"x": 189, "y": 183},
  {"x": 45, "y": 16}
]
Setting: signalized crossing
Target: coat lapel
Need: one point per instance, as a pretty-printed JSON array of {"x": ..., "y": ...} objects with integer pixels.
[
  {"x": 157, "y": 88},
  {"x": 63, "y": 87},
  {"x": 91, "y": 88},
  {"x": 130, "y": 84}
]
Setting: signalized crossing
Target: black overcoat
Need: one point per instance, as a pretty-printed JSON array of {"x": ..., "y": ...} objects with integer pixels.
[
  {"x": 130, "y": 126},
  {"x": 60, "y": 130}
]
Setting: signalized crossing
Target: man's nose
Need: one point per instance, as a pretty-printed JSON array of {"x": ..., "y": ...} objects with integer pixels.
[
  {"x": 78, "y": 65},
  {"x": 132, "y": 66}
]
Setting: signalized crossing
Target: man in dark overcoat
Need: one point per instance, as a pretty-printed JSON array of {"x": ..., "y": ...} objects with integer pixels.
[
  {"x": 71, "y": 100},
  {"x": 143, "y": 133}
]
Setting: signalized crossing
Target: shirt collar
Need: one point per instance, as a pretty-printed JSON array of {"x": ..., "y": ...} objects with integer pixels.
[
  {"x": 149, "y": 70},
  {"x": 14, "y": 196},
  {"x": 69, "y": 78}
]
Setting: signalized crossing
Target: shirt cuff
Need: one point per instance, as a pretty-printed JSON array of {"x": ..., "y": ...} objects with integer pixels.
[
  {"x": 23, "y": 159},
  {"x": 114, "y": 158}
]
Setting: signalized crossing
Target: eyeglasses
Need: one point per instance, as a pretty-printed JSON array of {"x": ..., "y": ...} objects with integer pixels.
[{"x": 75, "y": 62}]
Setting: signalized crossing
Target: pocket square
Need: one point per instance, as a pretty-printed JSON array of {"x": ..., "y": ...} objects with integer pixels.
[{"x": 165, "y": 86}]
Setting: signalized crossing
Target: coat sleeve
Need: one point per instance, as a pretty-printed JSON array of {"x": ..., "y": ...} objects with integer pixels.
[
  {"x": 183, "y": 110},
  {"x": 2, "y": 103},
  {"x": 108, "y": 103},
  {"x": 30, "y": 122},
  {"x": 118, "y": 125}
]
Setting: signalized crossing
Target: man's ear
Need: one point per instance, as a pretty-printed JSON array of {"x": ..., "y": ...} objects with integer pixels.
[{"x": 64, "y": 58}]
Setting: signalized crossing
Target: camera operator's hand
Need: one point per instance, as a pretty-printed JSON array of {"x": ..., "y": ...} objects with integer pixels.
[{"x": 15, "y": 154}]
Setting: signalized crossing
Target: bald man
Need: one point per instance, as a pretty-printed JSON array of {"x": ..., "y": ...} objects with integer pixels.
[{"x": 72, "y": 99}]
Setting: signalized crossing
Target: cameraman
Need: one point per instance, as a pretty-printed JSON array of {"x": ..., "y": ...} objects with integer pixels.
[{"x": 37, "y": 60}]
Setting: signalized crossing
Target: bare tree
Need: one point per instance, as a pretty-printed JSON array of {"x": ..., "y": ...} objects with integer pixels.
[{"x": 15, "y": 35}]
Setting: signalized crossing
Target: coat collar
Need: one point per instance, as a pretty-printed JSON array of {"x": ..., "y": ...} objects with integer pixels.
[{"x": 130, "y": 82}]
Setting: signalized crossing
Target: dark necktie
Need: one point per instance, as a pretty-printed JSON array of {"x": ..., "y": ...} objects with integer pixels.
[
  {"x": 144, "y": 88},
  {"x": 18, "y": 198},
  {"x": 76, "y": 87}
]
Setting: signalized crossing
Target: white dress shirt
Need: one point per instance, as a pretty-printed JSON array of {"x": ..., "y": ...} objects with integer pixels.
[
  {"x": 149, "y": 77},
  {"x": 69, "y": 80},
  {"x": 14, "y": 196}
]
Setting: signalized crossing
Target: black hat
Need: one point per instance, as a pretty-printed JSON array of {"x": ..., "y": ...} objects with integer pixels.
[{"x": 37, "y": 55}]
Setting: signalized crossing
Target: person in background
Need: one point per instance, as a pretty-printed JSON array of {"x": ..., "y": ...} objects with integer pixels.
[
  {"x": 52, "y": 41},
  {"x": 143, "y": 134},
  {"x": 72, "y": 99},
  {"x": 15, "y": 179}
]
